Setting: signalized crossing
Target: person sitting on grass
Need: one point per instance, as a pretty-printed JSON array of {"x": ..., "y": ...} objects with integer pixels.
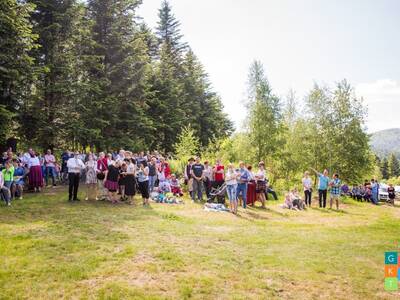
[
  {"x": 19, "y": 179},
  {"x": 8, "y": 176},
  {"x": 164, "y": 187},
  {"x": 335, "y": 190},
  {"x": 297, "y": 202},
  {"x": 5, "y": 192},
  {"x": 288, "y": 202},
  {"x": 391, "y": 193},
  {"x": 175, "y": 186}
]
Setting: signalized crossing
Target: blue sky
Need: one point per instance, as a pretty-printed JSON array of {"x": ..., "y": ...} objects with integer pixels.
[{"x": 299, "y": 43}]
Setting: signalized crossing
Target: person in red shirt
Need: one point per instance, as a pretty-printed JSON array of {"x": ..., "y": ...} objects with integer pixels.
[{"x": 219, "y": 179}]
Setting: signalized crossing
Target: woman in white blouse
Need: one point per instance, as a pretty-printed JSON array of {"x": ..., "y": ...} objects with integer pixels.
[{"x": 35, "y": 172}]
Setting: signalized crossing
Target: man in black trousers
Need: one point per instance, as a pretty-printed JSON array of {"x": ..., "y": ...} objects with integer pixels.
[{"x": 75, "y": 165}]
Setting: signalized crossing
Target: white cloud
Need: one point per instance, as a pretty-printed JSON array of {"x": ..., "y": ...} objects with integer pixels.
[{"x": 383, "y": 100}]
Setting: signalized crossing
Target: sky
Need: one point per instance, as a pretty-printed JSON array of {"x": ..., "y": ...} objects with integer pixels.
[{"x": 299, "y": 43}]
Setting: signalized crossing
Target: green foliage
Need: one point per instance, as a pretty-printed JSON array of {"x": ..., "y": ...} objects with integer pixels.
[
  {"x": 16, "y": 63},
  {"x": 6, "y": 122},
  {"x": 393, "y": 166},
  {"x": 264, "y": 114},
  {"x": 384, "y": 168},
  {"x": 187, "y": 144},
  {"x": 100, "y": 78}
]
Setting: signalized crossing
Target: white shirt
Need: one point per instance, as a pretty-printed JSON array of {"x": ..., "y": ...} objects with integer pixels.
[
  {"x": 1, "y": 180},
  {"x": 33, "y": 161},
  {"x": 208, "y": 172},
  {"x": 307, "y": 183},
  {"x": 260, "y": 175},
  {"x": 75, "y": 165},
  {"x": 230, "y": 177}
]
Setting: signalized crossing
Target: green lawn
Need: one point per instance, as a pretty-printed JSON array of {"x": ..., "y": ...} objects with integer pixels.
[{"x": 51, "y": 249}]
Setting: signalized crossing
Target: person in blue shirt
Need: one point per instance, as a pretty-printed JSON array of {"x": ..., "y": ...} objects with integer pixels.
[
  {"x": 243, "y": 179},
  {"x": 323, "y": 181},
  {"x": 374, "y": 191}
]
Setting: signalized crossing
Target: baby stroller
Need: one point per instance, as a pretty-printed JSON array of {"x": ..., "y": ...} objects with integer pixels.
[{"x": 218, "y": 193}]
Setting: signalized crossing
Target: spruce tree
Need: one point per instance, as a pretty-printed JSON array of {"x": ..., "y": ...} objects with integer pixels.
[
  {"x": 385, "y": 168},
  {"x": 394, "y": 166},
  {"x": 16, "y": 63}
]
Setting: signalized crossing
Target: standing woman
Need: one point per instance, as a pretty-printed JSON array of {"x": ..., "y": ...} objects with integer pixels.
[
  {"x": 231, "y": 186},
  {"x": 111, "y": 181},
  {"x": 91, "y": 178},
  {"x": 251, "y": 187},
  {"x": 143, "y": 180},
  {"x": 35, "y": 172},
  {"x": 307, "y": 185},
  {"x": 130, "y": 180},
  {"x": 261, "y": 183},
  {"x": 102, "y": 167}
]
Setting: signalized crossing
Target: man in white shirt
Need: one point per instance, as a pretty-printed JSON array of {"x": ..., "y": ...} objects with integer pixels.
[
  {"x": 50, "y": 163},
  {"x": 75, "y": 165}
]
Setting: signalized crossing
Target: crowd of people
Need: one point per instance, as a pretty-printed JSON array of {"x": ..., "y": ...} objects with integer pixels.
[{"x": 118, "y": 176}]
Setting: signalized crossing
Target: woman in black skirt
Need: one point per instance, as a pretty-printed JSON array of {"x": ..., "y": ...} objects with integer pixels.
[
  {"x": 111, "y": 181},
  {"x": 130, "y": 180},
  {"x": 122, "y": 178}
]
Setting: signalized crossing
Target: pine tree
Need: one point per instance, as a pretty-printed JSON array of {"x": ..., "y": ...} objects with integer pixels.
[
  {"x": 168, "y": 31},
  {"x": 16, "y": 63},
  {"x": 54, "y": 22},
  {"x": 118, "y": 68},
  {"x": 393, "y": 166},
  {"x": 385, "y": 168}
]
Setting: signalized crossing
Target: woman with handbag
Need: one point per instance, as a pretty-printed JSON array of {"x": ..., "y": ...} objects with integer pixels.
[{"x": 102, "y": 165}]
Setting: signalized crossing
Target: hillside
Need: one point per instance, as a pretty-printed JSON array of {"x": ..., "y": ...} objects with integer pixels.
[{"x": 386, "y": 141}]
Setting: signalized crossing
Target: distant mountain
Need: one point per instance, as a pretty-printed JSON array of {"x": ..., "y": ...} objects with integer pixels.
[{"x": 385, "y": 142}]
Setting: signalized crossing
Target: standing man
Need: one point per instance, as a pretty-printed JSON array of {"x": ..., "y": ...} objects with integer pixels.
[
  {"x": 188, "y": 176},
  {"x": 49, "y": 162},
  {"x": 244, "y": 178},
  {"x": 374, "y": 191},
  {"x": 322, "y": 187},
  {"x": 152, "y": 173},
  {"x": 335, "y": 190},
  {"x": 197, "y": 173},
  {"x": 75, "y": 165}
]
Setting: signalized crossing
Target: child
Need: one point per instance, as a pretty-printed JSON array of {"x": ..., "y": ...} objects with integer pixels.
[
  {"x": 288, "y": 202},
  {"x": 231, "y": 177},
  {"x": 175, "y": 186},
  {"x": 392, "y": 193},
  {"x": 297, "y": 203},
  {"x": 164, "y": 187}
]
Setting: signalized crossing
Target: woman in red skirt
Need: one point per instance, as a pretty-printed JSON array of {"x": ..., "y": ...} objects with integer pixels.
[
  {"x": 35, "y": 172},
  {"x": 251, "y": 188}
]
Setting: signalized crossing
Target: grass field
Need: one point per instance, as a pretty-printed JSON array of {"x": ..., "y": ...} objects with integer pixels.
[{"x": 51, "y": 249}]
